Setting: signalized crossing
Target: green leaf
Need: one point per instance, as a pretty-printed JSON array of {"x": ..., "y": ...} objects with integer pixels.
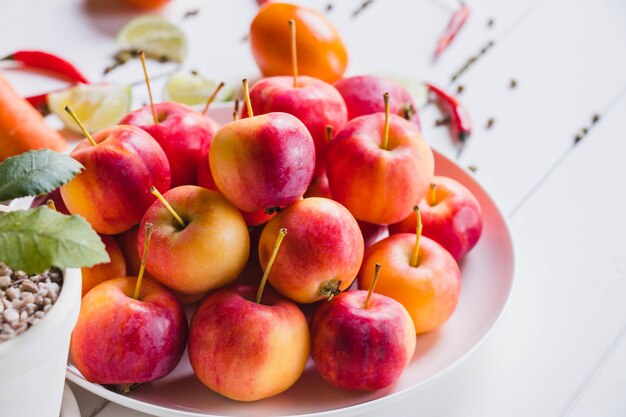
[
  {"x": 37, "y": 239},
  {"x": 35, "y": 172}
]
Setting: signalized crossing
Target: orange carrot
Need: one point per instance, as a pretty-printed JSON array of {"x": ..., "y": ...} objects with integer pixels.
[{"x": 22, "y": 128}]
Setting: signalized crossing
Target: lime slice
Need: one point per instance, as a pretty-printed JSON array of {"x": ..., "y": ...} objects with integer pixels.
[
  {"x": 193, "y": 89},
  {"x": 97, "y": 106},
  {"x": 159, "y": 38}
]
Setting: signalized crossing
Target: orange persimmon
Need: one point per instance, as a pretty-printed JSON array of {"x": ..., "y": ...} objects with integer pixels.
[{"x": 321, "y": 52}]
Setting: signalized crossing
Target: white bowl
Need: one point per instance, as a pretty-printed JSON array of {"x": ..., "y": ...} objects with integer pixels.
[{"x": 32, "y": 365}]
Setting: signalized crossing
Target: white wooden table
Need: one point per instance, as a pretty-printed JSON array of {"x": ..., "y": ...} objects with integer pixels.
[{"x": 560, "y": 349}]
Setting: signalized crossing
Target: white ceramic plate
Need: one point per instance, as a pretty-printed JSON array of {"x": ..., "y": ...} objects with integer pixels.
[{"x": 487, "y": 280}]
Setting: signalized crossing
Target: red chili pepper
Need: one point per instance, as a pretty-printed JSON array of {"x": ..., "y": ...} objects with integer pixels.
[
  {"x": 38, "y": 101},
  {"x": 45, "y": 60},
  {"x": 454, "y": 26},
  {"x": 460, "y": 122}
]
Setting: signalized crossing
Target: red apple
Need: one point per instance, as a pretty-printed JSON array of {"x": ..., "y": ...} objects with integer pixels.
[
  {"x": 451, "y": 216},
  {"x": 113, "y": 192},
  {"x": 119, "y": 340},
  {"x": 319, "y": 187},
  {"x": 320, "y": 256},
  {"x": 314, "y": 102},
  {"x": 244, "y": 350},
  {"x": 262, "y": 162},
  {"x": 208, "y": 252},
  {"x": 127, "y": 242},
  {"x": 358, "y": 347},
  {"x": 362, "y": 95},
  {"x": 379, "y": 181},
  {"x": 115, "y": 268},
  {"x": 419, "y": 273},
  {"x": 259, "y": 217},
  {"x": 184, "y": 133}
]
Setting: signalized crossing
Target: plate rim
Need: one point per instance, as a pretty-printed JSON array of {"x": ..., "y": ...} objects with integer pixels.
[{"x": 158, "y": 410}]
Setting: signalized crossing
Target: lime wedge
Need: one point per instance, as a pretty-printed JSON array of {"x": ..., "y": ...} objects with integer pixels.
[
  {"x": 159, "y": 38},
  {"x": 97, "y": 106},
  {"x": 193, "y": 89}
]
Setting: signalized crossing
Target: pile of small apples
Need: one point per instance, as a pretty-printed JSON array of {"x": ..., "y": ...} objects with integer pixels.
[{"x": 198, "y": 213}]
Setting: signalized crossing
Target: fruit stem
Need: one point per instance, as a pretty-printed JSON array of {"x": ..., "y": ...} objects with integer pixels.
[
  {"x": 281, "y": 234},
  {"x": 246, "y": 94},
  {"x": 294, "y": 54},
  {"x": 432, "y": 194},
  {"x": 142, "y": 58},
  {"x": 386, "y": 132},
  {"x": 366, "y": 304},
  {"x": 236, "y": 110},
  {"x": 167, "y": 205},
  {"x": 144, "y": 259},
  {"x": 329, "y": 133},
  {"x": 80, "y": 124},
  {"x": 51, "y": 205},
  {"x": 418, "y": 234},
  {"x": 210, "y": 100}
]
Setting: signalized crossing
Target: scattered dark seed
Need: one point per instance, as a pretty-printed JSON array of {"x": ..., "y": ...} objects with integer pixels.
[
  {"x": 191, "y": 13},
  {"x": 490, "y": 122},
  {"x": 362, "y": 7},
  {"x": 460, "y": 88},
  {"x": 513, "y": 83},
  {"x": 490, "y": 22},
  {"x": 443, "y": 121},
  {"x": 595, "y": 118},
  {"x": 578, "y": 138},
  {"x": 472, "y": 168},
  {"x": 163, "y": 58},
  {"x": 194, "y": 72},
  {"x": 244, "y": 39},
  {"x": 329, "y": 7}
]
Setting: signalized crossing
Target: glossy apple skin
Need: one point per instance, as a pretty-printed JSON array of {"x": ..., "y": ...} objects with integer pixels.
[
  {"x": 120, "y": 340},
  {"x": 360, "y": 349},
  {"x": 379, "y": 186},
  {"x": 453, "y": 219},
  {"x": 323, "y": 246},
  {"x": 210, "y": 252},
  {"x": 264, "y": 161},
  {"x": 127, "y": 242},
  {"x": 316, "y": 103},
  {"x": 116, "y": 268},
  {"x": 257, "y": 218},
  {"x": 321, "y": 52},
  {"x": 113, "y": 192},
  {"x": 429, "y": 292},
  {"x": 55, "y": 196},
  {"x": 363, "y": 94},
  {"x": 248, "y": 351},
  {"x": 184, "y": 133},
  {"x": 319, "y": 187}
]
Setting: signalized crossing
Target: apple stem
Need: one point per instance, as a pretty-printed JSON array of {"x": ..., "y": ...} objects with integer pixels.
[
  {"x": 142, "y": 58},
  {"x": 246, "y": 94},
  {"x": 386, "y": 132},
  {"x": 51, "y": 205},
  {"x": 144, "y": 259},
  {"x": 80, "y": 124},
  {"x": 167, "y": 205},
  {"x": 329, "y": 133},
  {"x": 372, "y": 285},
  {"x": 432, "y": 194},
  {"x": 418, "y": 234},
  {"x": 236, "y": 110},
  {"x": 210, "y": 100},
  {"x": 294, "y": 54},
  {"x": 281, "y": 234}
]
